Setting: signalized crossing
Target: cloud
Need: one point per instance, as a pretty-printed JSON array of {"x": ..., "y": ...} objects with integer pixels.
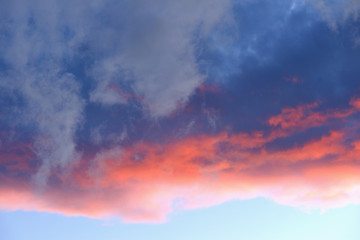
[
  {"x": 148, "y": 49},
  {"x": 336, "y": 12},
  {"x": 54, "y": 108},
  {"x": 154, "y": 48},
  {"x": 200, "y": 171},
  {"x": 73, "y": 66},
  {"x": 51, "y": 105},
  {"x": 304, "y": 116}
]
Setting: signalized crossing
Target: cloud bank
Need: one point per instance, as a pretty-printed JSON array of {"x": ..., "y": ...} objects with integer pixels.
[
  {"x": 146, "y": 182},
  {"x": 134, "y": 109}
]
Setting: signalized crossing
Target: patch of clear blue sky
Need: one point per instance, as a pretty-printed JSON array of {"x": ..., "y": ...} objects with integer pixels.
[{"x": 256, "y": 219}]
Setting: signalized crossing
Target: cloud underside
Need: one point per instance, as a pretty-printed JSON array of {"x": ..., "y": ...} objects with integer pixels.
[
  {"x": 87, "y": 88},
  {"x": 145, "y": 182}
]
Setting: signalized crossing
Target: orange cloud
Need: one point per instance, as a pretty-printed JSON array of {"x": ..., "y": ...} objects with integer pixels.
[
  {"x": 16, "y": 157},
  {"x": 305, "y": 116},
  {"x": 294, "y": 79},
  {"x": 145, "y": 182},
  {"x": 355, "y": 102}
]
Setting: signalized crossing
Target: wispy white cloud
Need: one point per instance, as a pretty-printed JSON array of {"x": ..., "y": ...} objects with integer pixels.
[
  {"x": 152, "y": 46},
  {"x": 336, "y": 12},
  {"x": 33, "y": 47}
]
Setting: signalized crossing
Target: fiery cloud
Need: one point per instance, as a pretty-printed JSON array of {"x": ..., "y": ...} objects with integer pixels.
[{"x": 145, "y": 182}]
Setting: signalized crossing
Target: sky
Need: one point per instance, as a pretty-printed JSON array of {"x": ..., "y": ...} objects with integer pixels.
[{"x": 208, "y": 119}]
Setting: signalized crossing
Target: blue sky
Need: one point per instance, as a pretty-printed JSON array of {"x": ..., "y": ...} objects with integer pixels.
[
  {"x": 252, "y": 220},
  {"x": 170, "y": 116}
]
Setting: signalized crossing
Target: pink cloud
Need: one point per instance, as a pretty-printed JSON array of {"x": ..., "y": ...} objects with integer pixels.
[{"x": 203, "y": 171}]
